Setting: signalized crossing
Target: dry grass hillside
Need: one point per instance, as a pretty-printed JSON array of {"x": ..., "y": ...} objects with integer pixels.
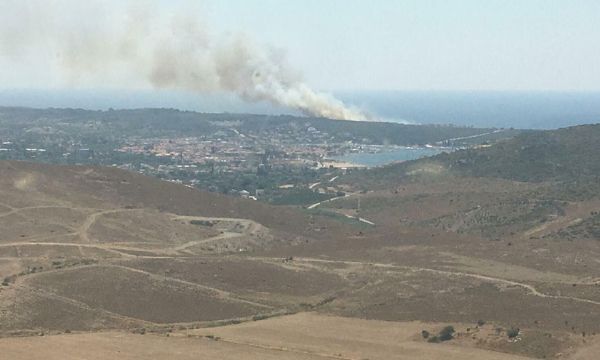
[{"x": 114, "y": 261}]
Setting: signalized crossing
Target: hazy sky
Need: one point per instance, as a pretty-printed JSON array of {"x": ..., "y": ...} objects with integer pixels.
[
  {"x": 430, "y": 44},
  {"x": 406, "y": 44}
]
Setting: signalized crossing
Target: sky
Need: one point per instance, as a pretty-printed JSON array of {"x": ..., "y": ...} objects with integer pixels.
[
  {"x": 430, "y": 44},
  {"x": 342, "y": 45}
]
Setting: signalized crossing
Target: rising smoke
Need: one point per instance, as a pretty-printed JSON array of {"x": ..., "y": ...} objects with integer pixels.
[{"x": 88, "y": 42}]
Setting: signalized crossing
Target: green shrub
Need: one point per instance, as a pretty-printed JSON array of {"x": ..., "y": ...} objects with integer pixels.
[
  {"x": 202, "y": 223},
  {"x": 446, "y": 333},
  {"x": 433, "y": 339},
  {"x": 513, "y": 332},
  {"x": 260, "y": 317}
]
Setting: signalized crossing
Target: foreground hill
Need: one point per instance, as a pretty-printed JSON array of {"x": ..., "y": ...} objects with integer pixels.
[
  {"x": 542, "y": 184},
  {"x": 74, "y": 237},
  {"x": 295, "y": 337},
  {"x": 91, "y": 255},
  {"x": 29, "y": 183}
]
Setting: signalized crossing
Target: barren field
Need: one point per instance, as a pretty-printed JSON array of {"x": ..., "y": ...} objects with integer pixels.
[
  {"x": 238, "y": 273},
  {"x": 302, "y": 336},
  {"x": 141, "y": 295},
  {"x": 124, "y": 254}
]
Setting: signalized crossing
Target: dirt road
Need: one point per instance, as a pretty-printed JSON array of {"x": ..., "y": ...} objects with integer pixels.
[{"x": 304, "y": 336}]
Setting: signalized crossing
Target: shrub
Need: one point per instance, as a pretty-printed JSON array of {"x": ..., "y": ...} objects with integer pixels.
[
  {"x": 8, "y": 280},
  {"x": 433, "y": 339},
  {"x": 512, "y": 332},
  {"x": 202, "y": 223},
  {"x": 260, "y": 317},
  {"x": 447, "y": 333}
]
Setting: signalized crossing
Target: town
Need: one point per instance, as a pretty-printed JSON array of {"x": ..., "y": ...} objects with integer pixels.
[{"x": 274, "y": 159}]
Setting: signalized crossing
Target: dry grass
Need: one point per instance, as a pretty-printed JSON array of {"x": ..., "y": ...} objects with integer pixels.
[
  {"x": 302, "y": 336},
  {"x": 93, "y": 248}
]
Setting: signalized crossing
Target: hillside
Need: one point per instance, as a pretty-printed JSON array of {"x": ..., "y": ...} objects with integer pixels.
[
  {"x": 559, "y": 155},
  {"x": 86, "y": 248},
  {"x": 535, "y": 185},
  {"x": 555, "y": 166},
  {"x": 28, "y": 182},
  {"x": 92, "y": 253},
  {"x": 173, "y": 123},
  {"x": 562, "y": 155}
]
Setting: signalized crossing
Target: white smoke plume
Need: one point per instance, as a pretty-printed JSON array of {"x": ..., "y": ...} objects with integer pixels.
[{"x": 89, "y": 42}]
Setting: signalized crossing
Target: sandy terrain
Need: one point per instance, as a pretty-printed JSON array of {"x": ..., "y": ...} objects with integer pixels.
[
  {"x": 109, "y": 252},
  {"x": 301, "y": 336}
]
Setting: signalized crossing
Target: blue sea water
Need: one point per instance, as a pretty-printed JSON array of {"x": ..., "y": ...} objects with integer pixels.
[
  {"x": 389, "y": 156},
  {"x": 526, "y": 110}
]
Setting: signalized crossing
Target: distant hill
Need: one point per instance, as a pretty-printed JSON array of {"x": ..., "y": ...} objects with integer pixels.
[
  {"x": 539, "y": 184},
  {"x": 562, "y": 155},
  {"x": 170, "y": 122}
]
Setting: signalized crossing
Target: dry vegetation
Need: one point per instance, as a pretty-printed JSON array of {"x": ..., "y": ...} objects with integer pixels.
[
  {"x": 90, "y": 256},
  {"x": 304, "y": 336}
]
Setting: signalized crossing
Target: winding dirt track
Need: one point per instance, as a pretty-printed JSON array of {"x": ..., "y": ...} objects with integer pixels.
[
  {"x": 91, "y": 220},
  {"x": 50, "y": 295},
  {"x": 106, "y": 247},
  {"x": 249, "y": 227},
  {"x": 18, "y": 210},
  {"x": 531, "y": 289},
  {"x": 574, "y": 213},
  {"x": 304, "y": 336},
  {"x": 245, "y": 227},
  {"x": 220, "y": 294}
]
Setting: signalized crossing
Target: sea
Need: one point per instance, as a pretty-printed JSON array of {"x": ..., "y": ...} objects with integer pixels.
[
  {"x": 488, "y": 109},
  {"x": 388, "y": 156}
]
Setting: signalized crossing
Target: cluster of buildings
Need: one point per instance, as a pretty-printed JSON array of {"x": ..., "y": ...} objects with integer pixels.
[{"x": 232, "y": 150}]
